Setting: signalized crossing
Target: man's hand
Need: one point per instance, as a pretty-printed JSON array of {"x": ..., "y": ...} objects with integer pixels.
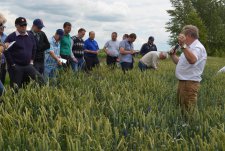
[
  {"x": 132, "y": 52},
  {"x": 59, "y": 61},
  {"x": 108, "y": 53},
  {"x": 172, "y": 51},
  {"x": 1, "y": 48},
  {"x": 75, "y": 59},
  {"x": 93, "y": 52},
  {"x": 181, "y": 39},
  {"x": 6, "y": 45},
  {"x": 13, "y": 66}
]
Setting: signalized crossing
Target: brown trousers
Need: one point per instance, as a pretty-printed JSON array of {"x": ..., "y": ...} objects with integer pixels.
[{"x": 187, "y": 93}]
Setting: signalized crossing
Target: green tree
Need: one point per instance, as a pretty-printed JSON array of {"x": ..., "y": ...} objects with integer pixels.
[
  {"x": 183, "y": 14},
  {"x": 212, "y": 13}
]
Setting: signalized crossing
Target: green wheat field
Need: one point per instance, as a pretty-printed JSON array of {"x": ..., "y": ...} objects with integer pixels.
[{"x": 108, "y": 110}]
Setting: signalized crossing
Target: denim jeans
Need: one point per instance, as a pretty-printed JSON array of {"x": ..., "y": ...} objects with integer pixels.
[
  {"x": 78, "y": 66},
  {"x": 142, "y": 66},
  {"x": 1, "y": 88},
  {"x": 50, "y": 72}
]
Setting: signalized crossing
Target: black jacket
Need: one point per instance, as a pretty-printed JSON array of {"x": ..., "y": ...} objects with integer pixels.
[
  {"x": 147, "y": 48},
  {"x": 42, "y": 44}
]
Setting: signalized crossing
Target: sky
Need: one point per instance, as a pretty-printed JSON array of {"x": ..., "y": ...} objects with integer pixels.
[{"x": 143, "y": 17}]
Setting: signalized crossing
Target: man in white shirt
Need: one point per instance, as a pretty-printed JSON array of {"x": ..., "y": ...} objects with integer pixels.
[
  {"x": 151, "y": 60},
  {"x": 190, "y": 66},
  {"x": 111, "y": 49}
]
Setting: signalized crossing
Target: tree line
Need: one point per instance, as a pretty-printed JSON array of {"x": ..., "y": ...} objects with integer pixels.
[{"x": 207, "y": 15}]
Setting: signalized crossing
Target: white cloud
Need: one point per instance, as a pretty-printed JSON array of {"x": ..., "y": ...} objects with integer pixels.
[{"x": 143, "y": 17}]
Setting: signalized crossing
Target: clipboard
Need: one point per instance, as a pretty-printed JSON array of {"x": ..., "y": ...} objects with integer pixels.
[{"x": 10, "y": 45}]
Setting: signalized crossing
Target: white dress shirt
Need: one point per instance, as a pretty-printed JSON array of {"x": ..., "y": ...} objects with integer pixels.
[
  {"x": 151, "y": 59},
  {"x": 192, "y": 72}
]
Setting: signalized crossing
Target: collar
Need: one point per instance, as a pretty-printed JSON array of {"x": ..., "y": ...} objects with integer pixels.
[
  {"x": 77, "y": 36},
  {"x": 34, "y": 33},
  {"x": 128, "y": 41},
  {"x": 18, "y": 34},
  {"x": 91, "y": 39},
  {"x": 193, "y": 44},
  {"x": 67, "y": 35},
  {"x": 53, "y": 39}
]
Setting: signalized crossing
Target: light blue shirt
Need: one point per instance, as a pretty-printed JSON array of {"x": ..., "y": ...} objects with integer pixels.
[
  {"x": 2, "y": 39},
  {"x": 112, "y": 47},
  {"x": 55, "y": 47},
  {"x": 128, "y": 47}
]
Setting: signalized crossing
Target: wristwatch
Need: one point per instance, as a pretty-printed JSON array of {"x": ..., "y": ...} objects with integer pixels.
[{"x": 184, "y": 46}]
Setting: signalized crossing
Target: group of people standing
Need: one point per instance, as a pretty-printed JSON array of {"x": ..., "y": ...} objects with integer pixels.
[{"x": 30, "y": 54}]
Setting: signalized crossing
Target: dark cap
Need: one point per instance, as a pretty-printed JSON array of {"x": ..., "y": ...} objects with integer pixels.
[
  {"x": 60, "y": 32},
  {"x": 21, "y": 21},
  {"x": 151, "y": 38},
  {"x": 38, "y": 23}
]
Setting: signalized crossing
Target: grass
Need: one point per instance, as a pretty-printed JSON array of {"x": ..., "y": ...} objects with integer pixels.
[{"x": 107, "y": 110}]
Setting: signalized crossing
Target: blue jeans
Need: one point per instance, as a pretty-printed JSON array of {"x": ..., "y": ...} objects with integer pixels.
[
  {"x": 78, "y": 66},
  {"x": 50, "y": 72},
  {"x": 1, "y": 88},
  {"x": 142, "y": 66}
]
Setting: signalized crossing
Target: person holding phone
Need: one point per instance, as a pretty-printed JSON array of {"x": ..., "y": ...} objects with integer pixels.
[
  {"x": 126, "y": 49},
  {"x": 189, "y": 67}
]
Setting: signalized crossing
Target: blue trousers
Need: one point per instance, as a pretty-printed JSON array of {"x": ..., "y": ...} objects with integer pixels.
[{"x": 78, "y": 66}]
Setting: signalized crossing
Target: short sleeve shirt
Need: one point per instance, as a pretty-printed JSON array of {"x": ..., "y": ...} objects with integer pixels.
[
  {"x": 192, "y": 72},
  {"x": 54, "y": 47},
  {"x": 92, "y": 45},
  {"x": 112, "y": 47},
  {"x": 128, "y": 47}
]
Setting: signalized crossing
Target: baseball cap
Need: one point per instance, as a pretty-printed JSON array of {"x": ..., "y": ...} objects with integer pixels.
[
  {"x": 21, "y": 21},
  {"x": 60, "y": 32},
  {"x": 151, "y": 38},
  {"x": 38, "y": 23}
]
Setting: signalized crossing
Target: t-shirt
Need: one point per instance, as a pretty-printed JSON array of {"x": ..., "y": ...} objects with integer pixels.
[
  {"x": 151, "y": 59},
  {"x": 192, "y": 72},
  {"x": 65, "y": 44},
  {"x": 128, "y": 47},
  {"x": 112, "y": 47}
]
